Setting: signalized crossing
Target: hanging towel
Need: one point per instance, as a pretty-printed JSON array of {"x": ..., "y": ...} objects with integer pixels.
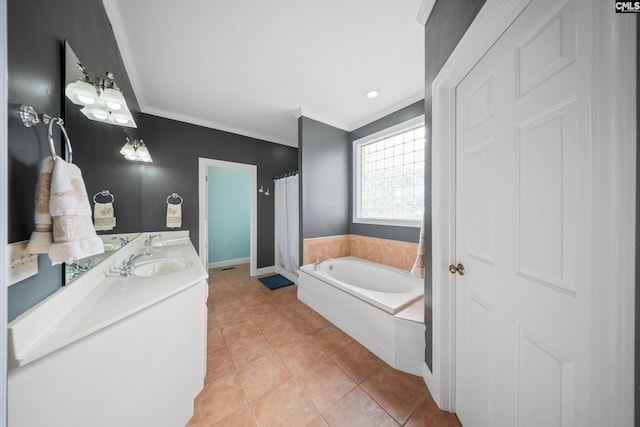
[
  {"x": 174, "y": 215},
  {"x": 42, "y": 237},
  {"x": 418, "y": 265},
  {"x": 103, "y": 218},
  {"x": 73, "y": 234}
]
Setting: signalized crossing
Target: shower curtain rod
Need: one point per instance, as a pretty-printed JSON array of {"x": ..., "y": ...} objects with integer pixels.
[{"x": 285, "y": 175}]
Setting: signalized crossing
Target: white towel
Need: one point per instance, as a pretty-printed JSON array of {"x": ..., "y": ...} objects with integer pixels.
[
  {"x": 103, "y": 218},
  {"x": 174, "y": 216},
  {"x": 73, "y": 234},
  {"x": 42, "y": 237}
]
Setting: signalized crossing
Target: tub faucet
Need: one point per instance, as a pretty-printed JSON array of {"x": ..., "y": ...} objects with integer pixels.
[
  {"x": 128, "y": 267},
  {"x": 149, "y": 240},
  {"x": 318, "y": 262}
]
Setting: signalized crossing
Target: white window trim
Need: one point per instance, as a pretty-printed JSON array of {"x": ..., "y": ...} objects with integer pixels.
[{"x": 419, "y": 120}]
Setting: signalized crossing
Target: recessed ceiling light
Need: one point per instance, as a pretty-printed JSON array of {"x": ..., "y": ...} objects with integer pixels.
[{"x": 372, "y": 94}]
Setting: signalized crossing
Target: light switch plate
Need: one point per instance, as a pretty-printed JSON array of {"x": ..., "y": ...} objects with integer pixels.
[{"x": 21, "y": 263}]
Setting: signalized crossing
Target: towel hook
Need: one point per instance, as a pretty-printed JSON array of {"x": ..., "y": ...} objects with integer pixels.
[
  {"x": 30, "y": 117},
  {"x": 175, "y": 196},
  {"x": 103, "y": 193}
]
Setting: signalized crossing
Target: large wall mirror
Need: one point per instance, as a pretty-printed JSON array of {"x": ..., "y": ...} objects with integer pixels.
[{"x": 96, "y": 151}]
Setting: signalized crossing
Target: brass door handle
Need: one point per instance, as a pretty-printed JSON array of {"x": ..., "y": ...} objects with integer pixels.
[{"x": 457, "y": 269}]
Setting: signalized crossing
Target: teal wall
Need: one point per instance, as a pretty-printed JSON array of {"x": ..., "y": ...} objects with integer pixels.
[{"x": 229, "y": 213}]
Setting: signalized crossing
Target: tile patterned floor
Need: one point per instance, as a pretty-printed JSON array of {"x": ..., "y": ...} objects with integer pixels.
[{"x": 273, "y": 361}]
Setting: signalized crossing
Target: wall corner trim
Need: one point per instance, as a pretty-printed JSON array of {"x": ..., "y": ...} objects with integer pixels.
[{"x": 425, "y": 11}]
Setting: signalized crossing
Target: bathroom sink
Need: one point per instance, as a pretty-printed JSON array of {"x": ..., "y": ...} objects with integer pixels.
[{"x": 161, "y": 267}]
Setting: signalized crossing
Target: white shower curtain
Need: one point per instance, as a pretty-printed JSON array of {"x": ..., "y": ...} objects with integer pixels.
[{"x": 287, "y": 223}]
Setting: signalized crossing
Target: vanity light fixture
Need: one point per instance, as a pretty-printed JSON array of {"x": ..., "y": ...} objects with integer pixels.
[
  {"x": 136, "y": 151},
  {"x": 102, "y": 101}
]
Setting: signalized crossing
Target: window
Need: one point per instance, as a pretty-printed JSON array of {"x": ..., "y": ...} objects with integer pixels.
[{"x": 389, "y": 175}]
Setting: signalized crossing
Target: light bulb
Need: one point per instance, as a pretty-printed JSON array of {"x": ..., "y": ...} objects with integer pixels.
[
  {"x": 122, "y": 118},
  {"x": 95, "y": 113},
  {"x": 127, "y": 149},
  {"x": 113, "y": 99},
  {"x": 86, "y": 100},
  {"x": 81, "y": 92}
]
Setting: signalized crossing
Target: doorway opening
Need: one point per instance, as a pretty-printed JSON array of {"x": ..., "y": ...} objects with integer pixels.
[{"x": 244, "y": 178}]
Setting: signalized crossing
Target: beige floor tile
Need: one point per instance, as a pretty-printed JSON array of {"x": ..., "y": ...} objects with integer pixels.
[
  {"x": 233, "y": 317},
  {"x": 240, "y": 418},
  {"x": 397, "y": 392},
  {"x": 257, "y": 338},
  {"x": 330, "y": 339},
  {"x": 300, "y": 355},
  {"x": 284, "y": 335},
  {"x": 318, "y": 422},
  {"x": 219, "y": 398},
  {"x": 214, "y": 339},
  {"x": 287, "y": 405},
  {"x": 310, "y": 323},
  {"x": 246, "y": 351},
  {"x": 325, "y": 383},
  {"x": 240, "y": 331},
  {"x": 263, "y": 375},
  {"x": 295, "y": 309},
  {"x": 428, "y": 414},
  {"x": 260, "y": 306},
  {"x": 357, "y": 361},
  {"x": 357, "y": 409},
  {"x": 270, "y": 320},
  {"x": 218, "y": 364}
]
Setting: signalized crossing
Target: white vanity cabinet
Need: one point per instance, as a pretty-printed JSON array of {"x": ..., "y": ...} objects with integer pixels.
[{"x": 139, "y": 364}]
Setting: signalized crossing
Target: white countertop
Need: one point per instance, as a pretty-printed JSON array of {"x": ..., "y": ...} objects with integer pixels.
[{"x": 100, "y": 298}]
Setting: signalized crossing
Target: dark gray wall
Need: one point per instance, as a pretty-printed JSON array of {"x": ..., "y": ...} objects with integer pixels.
[
  {"x": 175, "y": 148},
  {"x": 324, "y": 177},
  {"x": 36, "y": 33},
  {"x": 447, "y": 24},
  {"x": 405, "y": 234}
]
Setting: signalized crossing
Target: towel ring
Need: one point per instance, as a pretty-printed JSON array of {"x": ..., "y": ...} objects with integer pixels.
[
  {"x": 59, "y": 122},
  {"x": 175, "y": 196},
  {"x": 30, "y": 117},
  {"x": 104, "y": 193}
]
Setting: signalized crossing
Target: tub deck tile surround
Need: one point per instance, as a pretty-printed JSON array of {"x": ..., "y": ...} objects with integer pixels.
[
  {"x": 383, "y": 251},
  {"x": 335, "y": 382}
]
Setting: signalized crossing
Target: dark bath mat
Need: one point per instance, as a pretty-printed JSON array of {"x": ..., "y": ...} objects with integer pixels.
[{"x": 276, "y": 281}]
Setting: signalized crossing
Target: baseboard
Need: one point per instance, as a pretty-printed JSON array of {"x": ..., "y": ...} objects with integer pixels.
[
  {"x": 264, "y": 270},
  {"x": 229, "y": 262}
]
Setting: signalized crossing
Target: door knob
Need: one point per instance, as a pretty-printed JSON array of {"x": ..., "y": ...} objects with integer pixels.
[{"x": 457, "y": 269}]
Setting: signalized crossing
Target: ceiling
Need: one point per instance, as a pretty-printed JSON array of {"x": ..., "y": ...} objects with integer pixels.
[{"x": 251, "y": 66}]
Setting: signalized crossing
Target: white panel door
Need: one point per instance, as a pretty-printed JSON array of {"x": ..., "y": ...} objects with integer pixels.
[{"x": 522, "y": 186}]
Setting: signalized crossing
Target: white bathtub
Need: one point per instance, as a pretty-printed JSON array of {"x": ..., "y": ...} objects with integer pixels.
[
  {"x": 390, "y": 289},
  {"x": 361, "y": 298}
]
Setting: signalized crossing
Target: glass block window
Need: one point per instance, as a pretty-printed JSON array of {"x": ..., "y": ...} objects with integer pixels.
[{"x": 390, "y": 176}]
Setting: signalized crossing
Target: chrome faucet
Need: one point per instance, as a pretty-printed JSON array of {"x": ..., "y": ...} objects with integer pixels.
[
  {"x": 128, "y": 267},
  {"x": 122, "y": 240},
  {"x": 149, "y": 240},
  {"x": 316, "y": 265}
]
